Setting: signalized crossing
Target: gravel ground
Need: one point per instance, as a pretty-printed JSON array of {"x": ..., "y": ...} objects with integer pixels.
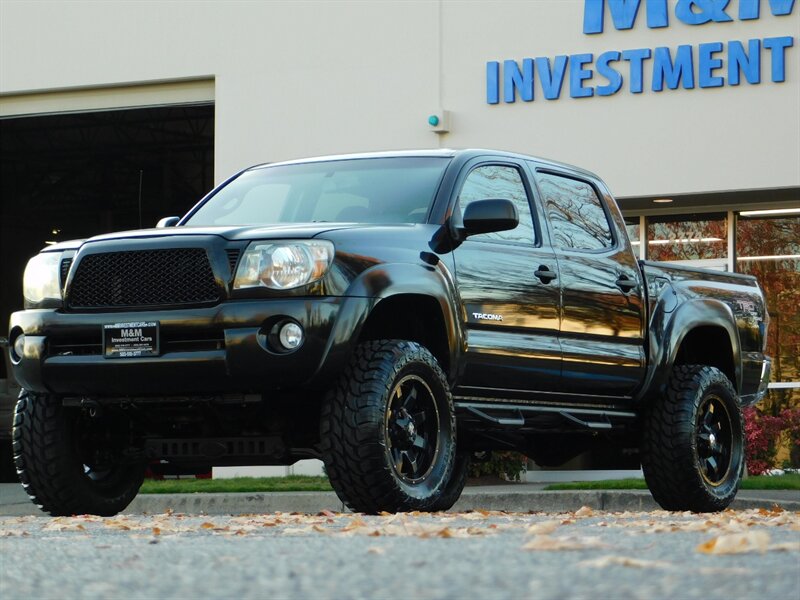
[{"x": 583, "y": 554}]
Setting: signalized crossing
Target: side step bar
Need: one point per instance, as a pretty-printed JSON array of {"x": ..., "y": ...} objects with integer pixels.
[{"x": 514, "y": 415}]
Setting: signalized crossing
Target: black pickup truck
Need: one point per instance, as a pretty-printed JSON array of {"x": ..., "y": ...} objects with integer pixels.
[{"x": 396, "y": 315}]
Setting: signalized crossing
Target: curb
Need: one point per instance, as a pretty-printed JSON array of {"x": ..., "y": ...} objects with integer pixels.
[{"x": 472, "y": 499}]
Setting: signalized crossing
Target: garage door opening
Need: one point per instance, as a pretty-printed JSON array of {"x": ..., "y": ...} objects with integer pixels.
[{"x": 68, "y": 176}]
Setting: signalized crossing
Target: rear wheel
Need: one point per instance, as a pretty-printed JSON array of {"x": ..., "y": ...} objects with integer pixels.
[
  {"x": 693, "y": 442},
  {"x": 388, "y": 429},
  {"x": 70, "y": 463}
]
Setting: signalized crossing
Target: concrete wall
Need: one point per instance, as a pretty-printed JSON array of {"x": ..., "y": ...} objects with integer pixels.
[{"x": 303, "y": 78}]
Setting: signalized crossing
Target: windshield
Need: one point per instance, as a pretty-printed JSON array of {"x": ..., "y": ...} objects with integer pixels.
[{"x": 373, "y": 190}]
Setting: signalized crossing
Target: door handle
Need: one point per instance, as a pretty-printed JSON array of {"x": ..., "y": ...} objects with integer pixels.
[
  {"x": 544, "y": 274},
  {"x": 625, "y": 283}
]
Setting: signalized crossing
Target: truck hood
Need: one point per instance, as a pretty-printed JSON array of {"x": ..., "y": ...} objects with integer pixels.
[{"x": 233, "y": 233}]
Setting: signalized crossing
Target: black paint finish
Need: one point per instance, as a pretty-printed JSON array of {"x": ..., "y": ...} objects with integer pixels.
[{"x": 521, "y": 323}]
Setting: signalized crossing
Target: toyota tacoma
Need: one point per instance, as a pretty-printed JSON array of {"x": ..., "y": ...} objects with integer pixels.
[{"x": 395, "y": 315}]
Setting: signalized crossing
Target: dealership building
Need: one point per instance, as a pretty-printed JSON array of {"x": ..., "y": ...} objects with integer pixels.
[{"x": 114, "y": 114}]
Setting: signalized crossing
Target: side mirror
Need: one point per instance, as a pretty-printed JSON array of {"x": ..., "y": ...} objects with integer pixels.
[
  {"x": 487, "y": 216},
  {"x": 167, "y": 222}
]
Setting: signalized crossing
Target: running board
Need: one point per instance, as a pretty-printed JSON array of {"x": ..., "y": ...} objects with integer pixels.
[{"x": 512, "y": 416}]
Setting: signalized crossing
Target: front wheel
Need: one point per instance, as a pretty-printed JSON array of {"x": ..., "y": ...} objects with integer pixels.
[
  {"x": 70, "y": 463},
  {"x": 388, "y": 430},
  {"x": 693, "y": 442}
]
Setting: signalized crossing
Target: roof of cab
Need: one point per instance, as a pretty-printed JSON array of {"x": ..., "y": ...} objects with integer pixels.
[{"x": 467, "y": 153}]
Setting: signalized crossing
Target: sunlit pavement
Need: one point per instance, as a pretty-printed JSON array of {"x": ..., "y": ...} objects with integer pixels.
[{"x": 480, "y": 554}]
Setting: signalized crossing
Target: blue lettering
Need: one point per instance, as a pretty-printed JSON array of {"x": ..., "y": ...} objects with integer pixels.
[
  {"x": 691, "y": 12},
  {"x": 664, "y": 70},
  {"x": 577, "y": 75},
  {"x": 552, "y": 80},
  {"x": 593, "y": 16},
  {"x": 492, "y": 82},
  {"x": 636, "y": 58},
  {"x": 709, "y": 10},
  {"x": 751, "y": 9},
  {"x": 748, "y": 63},
  {"x": 707, "y": 64},
  {"x": 607, "y": 71},
  {"x": 623, "y": 13},
  {"x": 777, "y": 47},
  {"x": 514, "y": 80},
  {"x": 657, "y": 14}
]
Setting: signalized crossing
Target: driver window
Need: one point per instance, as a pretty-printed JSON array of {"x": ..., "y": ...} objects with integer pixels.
[{"x": 499, "y": 182}]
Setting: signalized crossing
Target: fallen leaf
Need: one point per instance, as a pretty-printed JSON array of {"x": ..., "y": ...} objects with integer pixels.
[
  {"x": 624, "y": 561},
  {"x": 60, "y": 525},
  {"x": 584, "y": 511},
  {"x": 376, "y": 550},
  {"x": 296, "y": 530},
  {"x": 736, "y": 543},
  {"x": 207, "y": 525},
  {"x": 544, "y": 527},
  {"x": 548, "y": 543},
  {"x": 156, "y": 531}
]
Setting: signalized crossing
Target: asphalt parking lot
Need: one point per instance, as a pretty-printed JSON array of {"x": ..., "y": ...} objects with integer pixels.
[{"x": 480, "y": 554}]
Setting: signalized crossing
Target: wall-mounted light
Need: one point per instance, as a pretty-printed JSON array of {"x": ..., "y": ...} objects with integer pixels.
[
  {"x": 770, "y": 211},
  {"x": 662, "y": 200},
  {"x": 684, "y": 241},
  {"x": 769, "y": 257},
  {"x": 439, "y": 121}
]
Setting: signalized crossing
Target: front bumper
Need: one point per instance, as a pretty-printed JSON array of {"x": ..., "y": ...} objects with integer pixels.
[
  {"x": 203, "y": 350},
  {"x": 763, "y": 385}
]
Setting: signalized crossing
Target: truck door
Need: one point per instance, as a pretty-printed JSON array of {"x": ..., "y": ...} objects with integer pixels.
[
  {"x": 602, "y": 330},
  {"x": 508, "y": 283}
]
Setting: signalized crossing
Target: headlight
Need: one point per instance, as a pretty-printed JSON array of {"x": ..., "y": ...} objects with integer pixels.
[
  {"x": 283, "y": 265},
  {"x": 41, "y": 280}
]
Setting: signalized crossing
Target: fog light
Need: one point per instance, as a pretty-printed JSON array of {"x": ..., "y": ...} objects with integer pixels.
[
  {"x": 19, "y": 347},
  {"x": 291, "y": 336}
]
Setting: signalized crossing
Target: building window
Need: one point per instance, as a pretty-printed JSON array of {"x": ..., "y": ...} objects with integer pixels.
[
  {"x": 632, "y": 226},
  {"x": 687, "y": 237},
  {"x": 769, "y": 248}
]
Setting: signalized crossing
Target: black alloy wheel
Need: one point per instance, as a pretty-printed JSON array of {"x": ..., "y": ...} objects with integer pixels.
[
  {"x": 412, "y": 429},
  {"x": 70, "y": 462},
  {"x": 693, "y": 441},
  {"x": 714, "y": 440},
  {"x": 388, "y": 430}
]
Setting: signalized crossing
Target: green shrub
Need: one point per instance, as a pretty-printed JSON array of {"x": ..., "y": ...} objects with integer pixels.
[{"x": 506, "y": 465}]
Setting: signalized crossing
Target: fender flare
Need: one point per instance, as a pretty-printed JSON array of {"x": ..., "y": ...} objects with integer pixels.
[
  {"x": 379, "y": 283},
  {"x": 668, "y": 331}
]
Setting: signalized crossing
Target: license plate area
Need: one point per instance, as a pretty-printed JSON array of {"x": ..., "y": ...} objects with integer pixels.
[{"x": 130, "y": 340}]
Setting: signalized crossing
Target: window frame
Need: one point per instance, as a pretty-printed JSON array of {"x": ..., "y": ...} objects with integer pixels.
[{"x": 615, "y": 238}]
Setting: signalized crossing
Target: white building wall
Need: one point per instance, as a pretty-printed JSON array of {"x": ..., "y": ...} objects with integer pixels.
[{"x": 303, "y": 78}]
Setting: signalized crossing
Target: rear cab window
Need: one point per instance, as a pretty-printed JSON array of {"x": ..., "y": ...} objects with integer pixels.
[{"x": 578, "y": 220}]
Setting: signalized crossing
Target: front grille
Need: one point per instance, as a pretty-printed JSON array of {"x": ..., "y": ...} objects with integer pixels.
[{"x": 143, "y": 278}]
